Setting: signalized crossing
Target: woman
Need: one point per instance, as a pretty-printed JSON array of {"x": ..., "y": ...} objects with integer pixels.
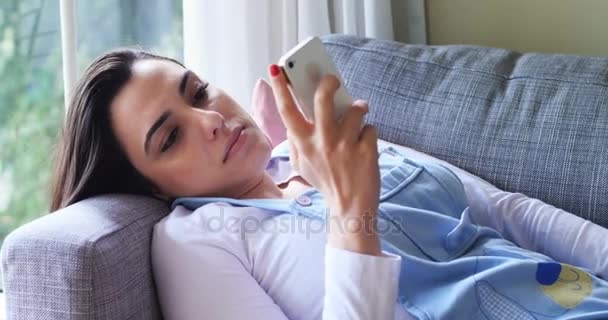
[{"x": 397, "y": 239}]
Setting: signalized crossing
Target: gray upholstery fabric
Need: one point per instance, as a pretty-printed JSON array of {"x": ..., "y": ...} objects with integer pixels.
[
  {"x": 88, "y": 261},
  {"x": 530, "y": 123},
  {"x": 536, "y": 124}
]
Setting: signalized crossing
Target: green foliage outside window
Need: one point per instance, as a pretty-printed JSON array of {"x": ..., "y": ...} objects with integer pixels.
[
  {"x": 31, "y": 83},
  {"x": 31, "y": 111}
]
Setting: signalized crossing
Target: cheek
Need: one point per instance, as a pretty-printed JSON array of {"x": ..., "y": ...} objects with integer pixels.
[
  {"x": 230, "y": 108},
  {"x": 190, "y": 172},
  {"x": 190, "y": 179}
]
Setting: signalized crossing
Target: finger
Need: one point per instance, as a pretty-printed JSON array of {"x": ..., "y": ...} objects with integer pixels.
[
  {"x": 369, "y": 138},
  {"x": 324, "y": 108},
  {"x": 352, "y": 120},
  {"x": 293, "y": 155},
  {"x": 292, "y": 117}
]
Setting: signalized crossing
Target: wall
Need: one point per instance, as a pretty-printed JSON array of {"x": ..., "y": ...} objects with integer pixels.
[{"x": 561, "y": 26}]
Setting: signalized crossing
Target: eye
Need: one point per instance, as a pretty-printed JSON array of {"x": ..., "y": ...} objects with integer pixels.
[
  {"x": 170, "y": 139},
  {"x": 200, "y": 95}
]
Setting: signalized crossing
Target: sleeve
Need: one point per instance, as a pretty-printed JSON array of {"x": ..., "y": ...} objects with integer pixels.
[
  {"x": 534, "y": 225},
  {"x": 197, "y": 278},
  {"x": 360, "y": 286}
]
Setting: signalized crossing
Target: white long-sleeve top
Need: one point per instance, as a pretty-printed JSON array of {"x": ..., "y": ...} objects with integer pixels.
[
  {"x": 288, "y": 271},
  {"x": 224, "y": 262}
]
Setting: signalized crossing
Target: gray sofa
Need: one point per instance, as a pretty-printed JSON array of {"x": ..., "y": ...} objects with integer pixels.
[{"x": 530, "y": 123}]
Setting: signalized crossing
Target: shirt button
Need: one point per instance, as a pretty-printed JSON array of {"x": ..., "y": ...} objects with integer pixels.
[{"x": 304, "y": 201}]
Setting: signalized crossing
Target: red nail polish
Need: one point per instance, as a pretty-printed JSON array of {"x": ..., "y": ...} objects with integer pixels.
[{"x": 274, "y": 70}]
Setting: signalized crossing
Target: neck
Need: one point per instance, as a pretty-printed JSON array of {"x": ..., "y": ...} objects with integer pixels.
[{"x": 262, "y": 187}]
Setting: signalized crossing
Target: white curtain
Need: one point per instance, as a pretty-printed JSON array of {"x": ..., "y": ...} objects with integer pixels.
[{"x": 232, "y": 42}]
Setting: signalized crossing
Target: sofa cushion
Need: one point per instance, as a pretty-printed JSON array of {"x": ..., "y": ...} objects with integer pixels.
[{"x": 530, "y": 123}]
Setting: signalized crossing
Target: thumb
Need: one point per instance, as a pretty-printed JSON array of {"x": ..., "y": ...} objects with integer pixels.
[{"x": 293, "y": 156}]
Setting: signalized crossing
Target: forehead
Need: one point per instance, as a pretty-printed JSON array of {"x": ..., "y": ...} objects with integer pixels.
[
  {"x": 151, "y": 90},
  {"x": 152, "y": 81},
  {"x": 150, "y": 71}
]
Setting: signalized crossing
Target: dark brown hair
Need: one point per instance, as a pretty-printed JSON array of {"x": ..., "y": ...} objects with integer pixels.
[{"x": 89, "y": 160}]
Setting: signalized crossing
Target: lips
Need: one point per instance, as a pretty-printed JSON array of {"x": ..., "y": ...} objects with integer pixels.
[{"x": 232, "y": 140}]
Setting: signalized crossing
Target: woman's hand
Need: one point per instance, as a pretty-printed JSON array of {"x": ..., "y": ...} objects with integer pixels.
[{"x": 338, "y": 158}]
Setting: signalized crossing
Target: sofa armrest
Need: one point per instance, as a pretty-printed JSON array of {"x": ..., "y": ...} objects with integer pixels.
[{"x": 90, "y": 260}]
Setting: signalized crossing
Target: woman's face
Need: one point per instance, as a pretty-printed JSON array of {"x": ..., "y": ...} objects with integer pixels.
[{"x": 185, "y": 135}]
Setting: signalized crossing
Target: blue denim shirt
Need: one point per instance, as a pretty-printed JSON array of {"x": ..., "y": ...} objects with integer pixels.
[{"x": 451, "y": 267}]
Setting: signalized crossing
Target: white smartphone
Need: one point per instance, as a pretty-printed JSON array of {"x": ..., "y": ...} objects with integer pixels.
[{"x": 304, "y": 65}]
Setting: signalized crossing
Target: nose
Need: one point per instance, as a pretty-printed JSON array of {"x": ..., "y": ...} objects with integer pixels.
[{"x": 212, "y": 123}]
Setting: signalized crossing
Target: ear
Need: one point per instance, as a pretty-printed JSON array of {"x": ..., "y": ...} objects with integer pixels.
[{"x": 265, "y": 113}]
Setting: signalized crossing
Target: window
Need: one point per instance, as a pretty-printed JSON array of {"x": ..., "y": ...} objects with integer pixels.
[
  {"x": 154, "y": 25},
  {"x": 31, "y": 107},
  {"x": 31, "y": 85}
]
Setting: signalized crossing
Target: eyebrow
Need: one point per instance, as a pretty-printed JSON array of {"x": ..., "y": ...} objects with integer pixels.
[
  {"x": 183, "y": 82},
  {"x": 157, "y": 124},
  {"x": 163, "y": 117}
]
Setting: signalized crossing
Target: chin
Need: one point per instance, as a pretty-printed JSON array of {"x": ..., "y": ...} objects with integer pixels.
[
  {"x": 261, "y": 154},
  {"x": 257, "y": 154}
]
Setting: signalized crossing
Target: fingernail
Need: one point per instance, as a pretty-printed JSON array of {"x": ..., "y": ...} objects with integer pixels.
[
  {"x": 361, "y": 103},
  {"x": 274, "y": 70}
]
